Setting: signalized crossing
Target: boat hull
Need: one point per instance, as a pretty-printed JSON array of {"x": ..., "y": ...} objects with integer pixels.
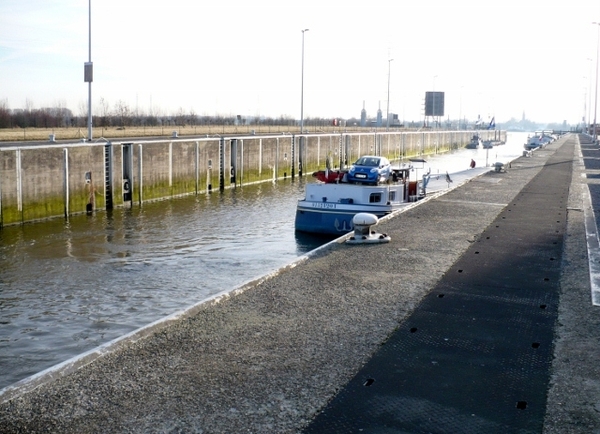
[
  {"x": 330, "y": 208},
  {"x": 333, "y": 218},
  {"x": 475, "y": 143}
]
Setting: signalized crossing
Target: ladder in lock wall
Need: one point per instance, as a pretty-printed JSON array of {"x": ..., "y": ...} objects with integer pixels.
[{"x": 108, "y": 158}]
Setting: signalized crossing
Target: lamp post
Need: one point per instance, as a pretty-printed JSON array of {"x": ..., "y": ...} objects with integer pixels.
[
  {"x": 585, "y": 107},
  {"x": 460, "y": 108},
  {"x": 433, "y": 104},
  {"x": 302, "y": 87},
  {"x": 387, "y": 128},
  {"x": 589, "y": 113},
  {"x": 89, "y": 72},
  {"x": 596, "y": 97}
]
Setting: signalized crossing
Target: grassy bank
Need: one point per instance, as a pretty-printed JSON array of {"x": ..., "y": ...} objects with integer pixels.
[{"x": 31, "y": 134}]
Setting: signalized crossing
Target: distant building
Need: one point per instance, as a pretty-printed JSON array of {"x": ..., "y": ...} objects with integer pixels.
[
  {"x": 394, "y": 120},
  {"x": 363, "y": 116}
]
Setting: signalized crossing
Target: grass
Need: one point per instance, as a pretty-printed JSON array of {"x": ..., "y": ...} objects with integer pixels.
[{"x": 75, "y": 133}]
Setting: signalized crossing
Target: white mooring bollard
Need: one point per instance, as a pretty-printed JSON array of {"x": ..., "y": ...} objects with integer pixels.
[{"x": 362, "y": 230}]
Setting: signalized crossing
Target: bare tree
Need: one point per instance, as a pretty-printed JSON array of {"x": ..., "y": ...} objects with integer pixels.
[
  {"x": 193, "y": 117},
  {"x": 5, "y": 119},
  {"x": 64, "y": 116},
  {"x": 123, "y": 113},
  {"x": 180, "y": 117},
  {"x": 82, "y": 114},
  {"x": 27, "y": 113},
  {"x": 104, "y": 110}
]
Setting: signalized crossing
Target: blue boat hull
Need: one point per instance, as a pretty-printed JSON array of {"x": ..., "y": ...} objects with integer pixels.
[{"x": 328, "y": 222}]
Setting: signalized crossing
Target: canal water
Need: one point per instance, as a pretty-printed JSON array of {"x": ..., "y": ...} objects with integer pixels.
[{"x": 69, "y": 286}]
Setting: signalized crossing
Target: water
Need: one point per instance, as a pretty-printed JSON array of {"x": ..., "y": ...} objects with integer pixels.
[{"x": 67, "y": 287}]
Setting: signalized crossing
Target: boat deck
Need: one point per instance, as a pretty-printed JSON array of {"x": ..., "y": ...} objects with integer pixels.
[{"x": 439, "y": 182}]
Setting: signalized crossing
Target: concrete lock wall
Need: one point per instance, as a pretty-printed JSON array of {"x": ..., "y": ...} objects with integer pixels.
[{"x": 46, "y": 181}]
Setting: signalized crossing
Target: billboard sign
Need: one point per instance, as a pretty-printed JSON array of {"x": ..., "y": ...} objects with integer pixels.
[{"x": 434, "y": 103}]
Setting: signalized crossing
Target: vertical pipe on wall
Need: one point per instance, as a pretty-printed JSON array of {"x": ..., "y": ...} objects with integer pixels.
[
  {"x": 318, "y": 151},
  {"x": 140, "y": 173},
  {"x": 171, "y": 166},
  {"x": 66, "y": 180},
  {"x": 401, "y": 146},
  {"x": 403, "y": 152},
  {"x": 241, "y": 175},
  {"x": 343, "y": 155},
  {"x": 1, "y": 215},
  {"x": 346, "y": 150},
  {"x": 340, "y": 151},
  {"x": 127, "y": 172},
  {"x": 373, "y": 148},
  {"x": 388, "y": 149},
  {"x": 222, "y": 164},
  {"x": 301, "y": 153},
  {"x": 19, "y": 186},
  {"x": 372, "y": 151},
  {"x": 276, "y": 168},
  {"x": 209, "y": 176},
  {"x": 260, "y": 156},
  {"x": 108, "y": 175},
  {"x": 197, "y": 168},
  {"x": 292, "y": 160},
  {"x": 233, "y": 161}
]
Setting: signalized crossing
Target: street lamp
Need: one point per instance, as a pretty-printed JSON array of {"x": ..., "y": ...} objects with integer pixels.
[
  {"x": 589, "y": 114},
  {"x": 596, "y": 97},
  {"x": 302, "y": 88},
  {"x": 460, "y": 107},
  {"x": 433, "y": 104},
  {"x": 585, "y": 107},
  {"x": 388, "y": 97},
  {"x": 89, "y": 72}
]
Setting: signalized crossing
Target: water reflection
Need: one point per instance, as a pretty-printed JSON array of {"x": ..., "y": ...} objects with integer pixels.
[
  {"x": 306, "y": 242},
  {"x": 67, "y": 287}
]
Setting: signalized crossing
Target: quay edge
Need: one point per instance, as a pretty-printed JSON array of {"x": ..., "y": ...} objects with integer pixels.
[{"x": 269, "y": 358}]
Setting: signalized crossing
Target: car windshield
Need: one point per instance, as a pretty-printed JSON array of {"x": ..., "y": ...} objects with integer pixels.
[{"x": 367, "y": 161}]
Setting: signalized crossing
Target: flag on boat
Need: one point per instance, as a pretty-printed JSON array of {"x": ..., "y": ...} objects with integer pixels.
[
  {"x": 478, "y": 121},
  {"x": 492, "y": 124}
]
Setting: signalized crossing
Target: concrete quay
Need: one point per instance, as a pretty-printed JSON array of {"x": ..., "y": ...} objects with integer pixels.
[{"x": 270, "y": 356}]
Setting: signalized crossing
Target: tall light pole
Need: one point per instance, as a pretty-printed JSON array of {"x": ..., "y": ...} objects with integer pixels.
[
  {"x": 433, "y": 104},
  {"x": 388, "y": 97},
  {"x": 460, "y": 108},
  {"x": 589, "y": 114},
  {"x": 596, "y": 97},
  {"x": 89, "y": 73},
  {"x": 585, "y": 108},
  {"x": 302, "y": 87}
]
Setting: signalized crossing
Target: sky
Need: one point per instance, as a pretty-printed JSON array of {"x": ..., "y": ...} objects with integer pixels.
[{"x": 236, "y": 57}]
